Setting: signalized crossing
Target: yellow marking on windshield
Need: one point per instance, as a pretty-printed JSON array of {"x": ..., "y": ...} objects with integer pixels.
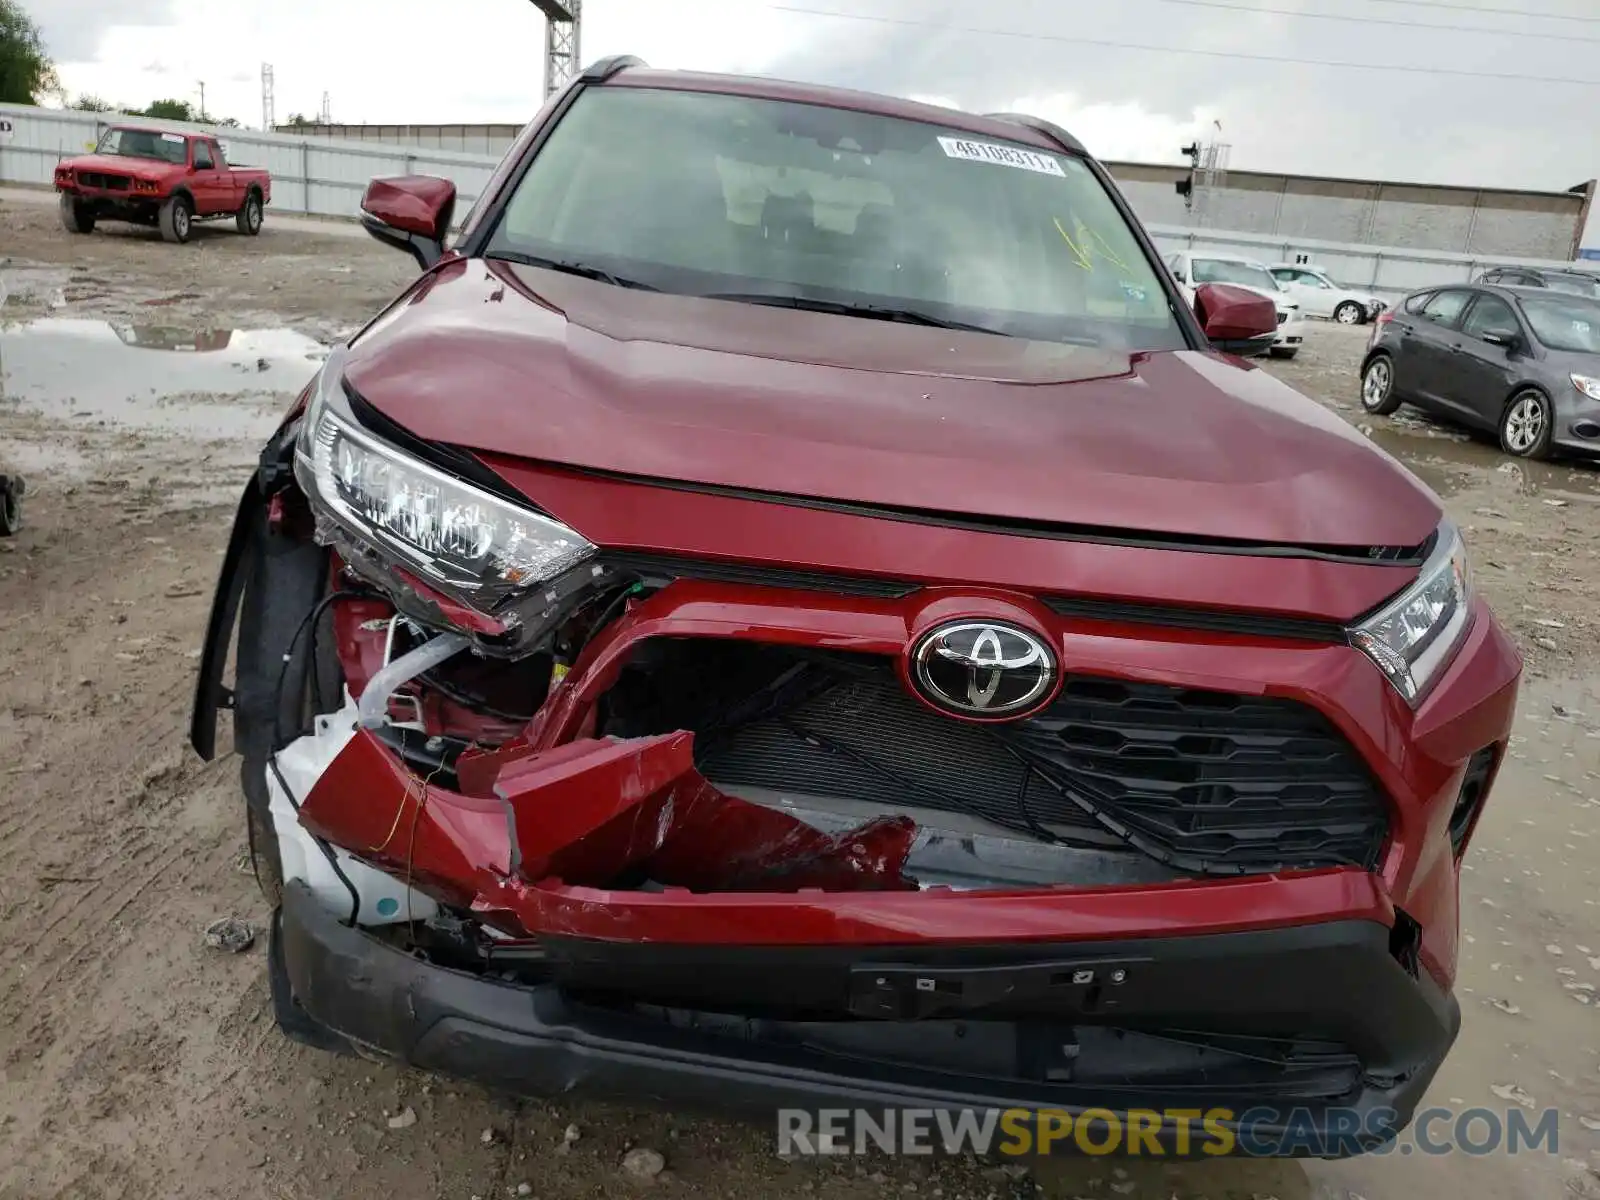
[
  {"x": 1083, "y": 247},
  {"x": 1083, "y": 259}
]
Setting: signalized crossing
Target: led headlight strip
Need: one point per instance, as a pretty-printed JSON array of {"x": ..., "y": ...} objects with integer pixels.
[
  {"x": 471, "y": 544},
  {"x": 1411, "y": 637}
]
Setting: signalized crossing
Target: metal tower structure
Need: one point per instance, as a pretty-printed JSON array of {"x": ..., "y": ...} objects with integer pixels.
[
  {"x": 563, "y": 26},
  {"x": 268, "y": 107},
  {"x": 326, "y": 116},
  {"x": 1212, "y": 178}
]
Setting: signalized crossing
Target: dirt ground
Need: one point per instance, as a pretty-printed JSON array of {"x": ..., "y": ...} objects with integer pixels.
[{"x": 136, "y": 1062}]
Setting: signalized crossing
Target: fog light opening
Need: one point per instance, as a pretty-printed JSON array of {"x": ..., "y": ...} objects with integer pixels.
[
  {"x": 1586, "y": 429},
  {"x": 1470, "y": 799}
]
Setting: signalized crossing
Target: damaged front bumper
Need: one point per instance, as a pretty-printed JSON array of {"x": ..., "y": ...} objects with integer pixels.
[
  {"x": 707, "y": 844},
  {"x": 569, "y": 1033}
]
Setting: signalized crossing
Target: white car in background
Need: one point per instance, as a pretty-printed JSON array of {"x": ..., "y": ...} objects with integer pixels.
[
  {"x": 1320, "y": 295},
  {"x": 1191, "y": 268}
]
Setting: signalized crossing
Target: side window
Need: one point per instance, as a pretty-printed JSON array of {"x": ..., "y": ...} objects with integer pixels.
[
  {"x": 1445, "y": 307},
  {"x": 1316, "y": 281},
  {"x": 1283, "y": 275},
  {"x": 1489, "y": 315},
  {"x": 1414, "y": 304},
  {"x": 202, "y": 156}
]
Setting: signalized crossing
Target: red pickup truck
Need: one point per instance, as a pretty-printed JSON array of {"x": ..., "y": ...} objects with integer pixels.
[{"x": 160, "y": 178}]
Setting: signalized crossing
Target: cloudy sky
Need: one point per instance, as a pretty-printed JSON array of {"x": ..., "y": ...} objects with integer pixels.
[{"x": 1453, "y": 91}]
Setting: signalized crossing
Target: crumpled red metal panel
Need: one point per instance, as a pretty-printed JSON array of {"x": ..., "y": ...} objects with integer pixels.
[{"x": 594, "y": 813}]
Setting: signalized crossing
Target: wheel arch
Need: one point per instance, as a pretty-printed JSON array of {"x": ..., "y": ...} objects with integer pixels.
[{"x": 1526, "y": 385}]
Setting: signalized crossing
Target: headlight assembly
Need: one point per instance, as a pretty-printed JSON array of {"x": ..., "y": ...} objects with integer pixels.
[
  {"x": 1588, "y": 385},
  {"x": 470, "y": 544},
  {"x": 1411, "y": 637}
]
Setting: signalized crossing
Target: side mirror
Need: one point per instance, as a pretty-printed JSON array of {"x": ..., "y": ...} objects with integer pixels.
[
  {"x": 411, "y": 213},
  {"x": 1507, "y": 338},
  {"x": 1235, "y": 319}
]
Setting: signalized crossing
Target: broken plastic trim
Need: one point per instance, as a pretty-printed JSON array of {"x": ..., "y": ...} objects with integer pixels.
[{"x": 373, "y": 710}]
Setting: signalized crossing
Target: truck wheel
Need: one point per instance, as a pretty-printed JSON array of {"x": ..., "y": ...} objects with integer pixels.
[
  {"x": 10, "y": 506},
  {"x": 76, "y": 217},
  {"x": 248, "y": 218},
  {"x": 177, "y": 219}
]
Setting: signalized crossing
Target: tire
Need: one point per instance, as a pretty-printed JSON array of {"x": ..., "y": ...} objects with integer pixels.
[
  {"x": 248, "y": 218},
  {"x": 1378, "y": 396},
  {"x": 75, "y": 217},
  {"x": 1527, "y": 425},
  {"x": 1350, "y": 313},
  {"x": 10, "y": 509},
  {"x": 177, "y": 220}
]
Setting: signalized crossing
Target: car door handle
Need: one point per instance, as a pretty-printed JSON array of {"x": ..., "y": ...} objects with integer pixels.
[{"x": 1455, "y": 347}]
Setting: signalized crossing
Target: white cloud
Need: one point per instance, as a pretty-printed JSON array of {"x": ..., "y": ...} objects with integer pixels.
[
  {"x": 1122, "y": 132},
  {"x": 393, "y": 61}
]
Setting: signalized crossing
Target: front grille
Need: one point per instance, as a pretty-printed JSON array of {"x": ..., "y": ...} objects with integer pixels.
[
  {"x": 1205, "y": 782},
  {"x": 111, "y": 183},
  {"x": 865, "y": 739},
  {"x": 1208, "y": 780}
]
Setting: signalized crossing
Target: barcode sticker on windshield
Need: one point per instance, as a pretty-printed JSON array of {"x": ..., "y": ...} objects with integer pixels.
[{"x": 1006, "y": 156}]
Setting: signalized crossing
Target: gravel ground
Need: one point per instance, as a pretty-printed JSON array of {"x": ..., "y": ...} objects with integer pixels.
[{"x": 136, "y": 1061}]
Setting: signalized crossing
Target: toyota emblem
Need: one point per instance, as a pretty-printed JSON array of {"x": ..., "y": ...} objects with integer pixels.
[{"x": 986, "y": 669}]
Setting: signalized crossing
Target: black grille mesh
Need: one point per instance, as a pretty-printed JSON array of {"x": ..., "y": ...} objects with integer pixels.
[
  {"x": 1204, "y": 781},
  {"x": 1209, "y": 780}
]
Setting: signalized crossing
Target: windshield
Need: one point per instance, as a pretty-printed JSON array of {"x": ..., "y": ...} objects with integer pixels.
[
  {"x": 144, "y": 143},
  {"x": 1221, "y": 270},
  {"x": 1574, "y": 285},
  {"x": 1564, "y": 323},
  {"x": 771, "y": 201}
]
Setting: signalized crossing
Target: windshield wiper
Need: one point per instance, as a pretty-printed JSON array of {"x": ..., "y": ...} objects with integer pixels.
[
  {"x": 582, "y": 270},
  {"x": 873, "y": 312}
]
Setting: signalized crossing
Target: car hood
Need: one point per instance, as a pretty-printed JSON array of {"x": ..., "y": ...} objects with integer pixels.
[
  {"x": 116, "y": 164},
  {"x": 552, "y": 368}
]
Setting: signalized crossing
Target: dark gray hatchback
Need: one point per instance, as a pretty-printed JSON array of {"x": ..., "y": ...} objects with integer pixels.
[{"x": 1523, "y": 363}]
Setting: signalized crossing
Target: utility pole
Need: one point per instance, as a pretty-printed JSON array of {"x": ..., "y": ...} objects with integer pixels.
[
  {"x": 269, "y": 116},
  {"x": 563, "y": 28},
  {"x": 202, "y": 99},
  {"x": 326, "y": 116}
]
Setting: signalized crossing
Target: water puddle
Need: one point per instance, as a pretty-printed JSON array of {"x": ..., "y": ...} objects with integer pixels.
[
  {"x": 1453, "y": 463},
  {"x": 212, "y": 383}
]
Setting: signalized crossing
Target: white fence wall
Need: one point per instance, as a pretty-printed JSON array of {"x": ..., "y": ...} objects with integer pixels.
[
  {"x": 1388, "y": 271},
  {"x": 314, "y": 176},
  {"x": 319, "y": 176}
]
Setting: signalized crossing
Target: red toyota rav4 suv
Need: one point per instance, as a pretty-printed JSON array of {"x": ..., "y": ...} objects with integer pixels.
[{"x": 790, "y": 607}]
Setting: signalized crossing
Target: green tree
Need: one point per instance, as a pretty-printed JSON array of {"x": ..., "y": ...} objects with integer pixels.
[
  {"x": 89, "y": 103},
  {"x": 26, "y": 72},
  {"x": 166, "y": 110},
  {"x": 299, "y": 121}
]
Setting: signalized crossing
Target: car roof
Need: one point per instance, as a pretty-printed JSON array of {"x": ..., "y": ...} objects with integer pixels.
[
  {"x": 1567, "y": 272},
  {"x": 1014, "y": 127}
]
